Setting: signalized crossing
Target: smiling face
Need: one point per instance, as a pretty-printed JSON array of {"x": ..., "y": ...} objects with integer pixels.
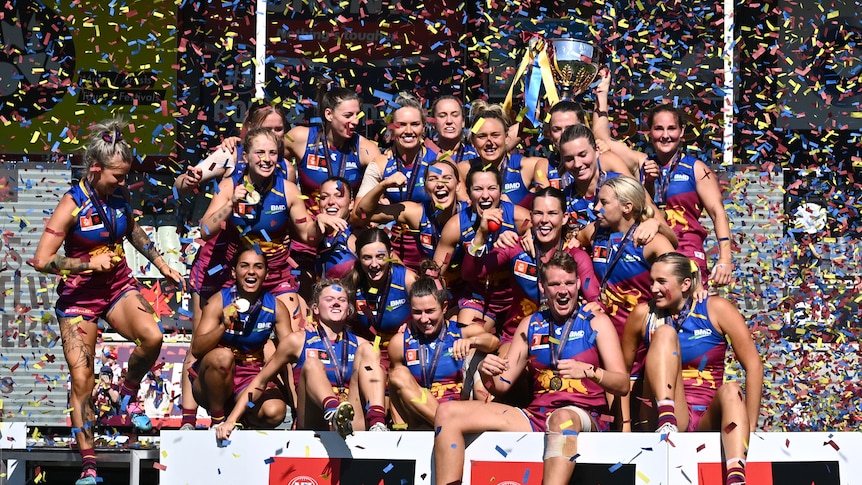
[
  {"x": 407, "y": 128},
  {"x": 262, "y": 156},
  {"x": 441, "y": 184},
  {"x": 334, "y": 199},
  {"x": 548, "y": 218},
  {"x": 333, "y": 305},
  {"x": 428, "y": 314},
  {"x": 560, "y": 287},
  {"x": 609, "y": 210},
  {"x": 490, "y": 140},
  {"x": 667, "y": 289},
  {"x": 343, "y": 119},
  {"x": 485, "y": 191},
  {"x": 578, "y": 158},
  {"x": 374, "y": 258},
  {"x": 665, "y": 134},
  {"x": 449, "y": 120},
  {"x": 250, "y": 272}
]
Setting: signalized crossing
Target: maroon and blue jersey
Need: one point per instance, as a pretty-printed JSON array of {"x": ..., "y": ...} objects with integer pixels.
[
  {"x": 627, "y": 281},
  {"x": 494, "y": 289},
  {"x": 249, "y": 331},
  {"x": 578, "y": 344},
  {"x": 683, "y": 208},
  {"x": 514, "y": 187},
  {"x": 419, "y": 351},
  {"x": 316, "y": 348},
  {"x": 99, "y": 227},
  {"x": 314, "y": 167},
  {"x": 334, "y": 257},
  {"x": 387, "y": 310},
  {"x": 579, "y": 207},
  {"x": 702, "y": 350},
  {"x": 415, "y": 173}
]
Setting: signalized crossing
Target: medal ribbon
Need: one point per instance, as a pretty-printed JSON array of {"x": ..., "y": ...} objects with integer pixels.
[
  {"x": 339, "y": 157},
  {"x": 110, "y": 224},
  {"x": 382, "y": 297},
  {"x": 664, "y": 180},
  {"x": 340, "y": 365},
  {"x": 557, "y": 352},
  {"x": 428, "y": 373},
  {"x": 414, "y": 173},
  {"x": 615, "y": 253}
]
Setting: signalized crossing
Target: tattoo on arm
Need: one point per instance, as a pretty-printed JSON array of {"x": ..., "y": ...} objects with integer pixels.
[
  {"x": 60, "y": 264},
  {"x": 220, "y": 215},
  {"x": 142, "y": 243}
]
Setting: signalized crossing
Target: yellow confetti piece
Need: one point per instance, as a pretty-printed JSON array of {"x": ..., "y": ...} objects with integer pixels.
[
  {"x": 643, "y": 477},
  {"x": 35, "y": 137},
  {"x": 478, "y": 124},
  {"x": 567, "y": 424},
  {"x": 423, "y": 399},
  {"x": 164, "y": 453},
  {"x": 236, "y": 455},
  {"x": 307, "y": 451},
  {"x": 377, "y": 343}
]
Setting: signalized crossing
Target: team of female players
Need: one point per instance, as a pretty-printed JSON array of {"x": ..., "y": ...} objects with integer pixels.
[{"x": 447, "y": 283}]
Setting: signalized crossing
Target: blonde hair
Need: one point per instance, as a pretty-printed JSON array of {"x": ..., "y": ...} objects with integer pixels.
[
  {"x": 483, "y": 109},
  {"x": 630, "y": 191},
  {"x": 106, "y": 141}
]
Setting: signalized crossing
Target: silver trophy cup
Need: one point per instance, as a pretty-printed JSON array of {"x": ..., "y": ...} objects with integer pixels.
[{"x": 575, "y": 64}]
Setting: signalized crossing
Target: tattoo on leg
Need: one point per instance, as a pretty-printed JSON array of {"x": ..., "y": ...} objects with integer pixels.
[
  {"x": 145, "y": 305},
  {"x": 74, "y": 345},
  {"x": 88, "y": 416}
]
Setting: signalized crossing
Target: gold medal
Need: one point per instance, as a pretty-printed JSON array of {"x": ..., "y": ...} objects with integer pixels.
[
  {"x": 342, "y": 395},
  {"x": 556, "y": 383}
]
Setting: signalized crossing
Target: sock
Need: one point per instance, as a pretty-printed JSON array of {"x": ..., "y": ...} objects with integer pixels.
[
  {"x": 735, "y": 471},
  {"x": 88, "y": 458},
  {"x": 666, "y": 412},
  {"x": 329, "y": 404},
  {"x": 217, "y": 416},
  {"x": 375, "y": 415},
  {"x": 189, "y": 416},
  {"x": 128, "y": 391}
]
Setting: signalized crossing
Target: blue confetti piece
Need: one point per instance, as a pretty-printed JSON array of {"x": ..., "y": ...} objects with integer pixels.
[
  {"x": 388, "y": 468},
  {"x": 616, "y": 467},
  {"x": 526, "y": 476},
  {"x": 269, "y": 461},
  {"x": 215, "y": 269},
  {"x": 502, "y": 451}
]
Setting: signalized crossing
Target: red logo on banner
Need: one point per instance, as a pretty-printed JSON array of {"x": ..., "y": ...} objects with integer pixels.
[
  {"x": 506, "y": 473},
  {"x": 304, "y": 471}
]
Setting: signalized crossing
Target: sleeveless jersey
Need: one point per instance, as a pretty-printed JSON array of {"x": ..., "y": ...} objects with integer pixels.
[
  {"x": 579, "y": 344},
  {"x": 91, "y": 235},
  {"x": 448, "y": 373},
  {"x": 702, "y": 350},
  {"x": 315, "y": 348},
  {"x": 394, "y": 311},
  {"x": 629, "y": 281},
  {"x": 313, "y": 169},
  {"x": 683, "y": 209},
  {"x": 334, "y": 258},
  {"x": 415, "y": 188},
  {"x": 252, "y": 330}
]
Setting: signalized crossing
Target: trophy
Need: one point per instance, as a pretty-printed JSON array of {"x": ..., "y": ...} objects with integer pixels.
[{"x": 574, "y": 63}]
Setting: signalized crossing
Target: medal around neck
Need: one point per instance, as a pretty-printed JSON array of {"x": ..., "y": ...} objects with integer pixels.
[{"x": 242, "y": 305}]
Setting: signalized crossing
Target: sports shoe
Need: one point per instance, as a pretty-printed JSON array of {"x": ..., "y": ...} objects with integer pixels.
[
  {"x": 341, "y": 419},
  {"x": 138, "y": 418},
  {"x": 378, "y": 427},
  {"x": 88, "y": 477},
  {"x": 667, "y": 428},
  {"x": 187, "y": 427}
]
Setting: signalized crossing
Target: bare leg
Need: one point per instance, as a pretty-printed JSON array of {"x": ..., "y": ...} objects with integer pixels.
[
  {"x": 214, "y": 386},
  {"x": 727, "y": 413},
  {"x": 417, "y": 405},
  {"x": 313, "y": 388},
  {"x": 456, "y": 418},
  {"x": 187, "y": 400},
  {"x": 560, "y": 446},
  {"x": 79, "y": 346},
  {"x": 663, "y": 369}
]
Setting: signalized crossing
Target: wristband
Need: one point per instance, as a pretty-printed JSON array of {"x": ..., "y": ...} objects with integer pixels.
[{"x": 602, "y": 113}]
